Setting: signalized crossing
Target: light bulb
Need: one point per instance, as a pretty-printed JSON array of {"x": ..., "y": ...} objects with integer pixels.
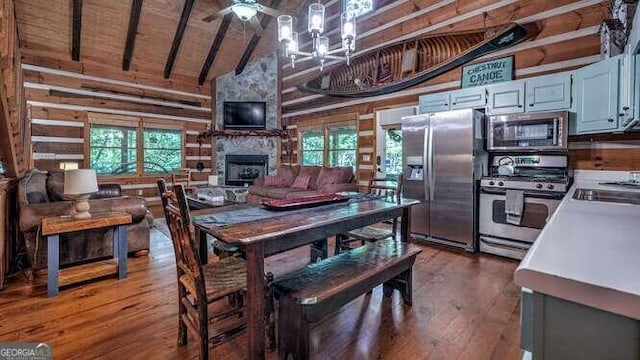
[
  {"x": 348, "y": 28},
  {"x": 322, "y": 46},
  {"x": 316, "y": 21},
  {"x": 286, "y": 32},
  {"x": 292, "y": 46}
]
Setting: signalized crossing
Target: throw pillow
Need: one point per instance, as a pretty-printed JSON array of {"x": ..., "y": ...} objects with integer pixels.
[
  {"x": 271, "y": 181},
  {"x": 301, "y": 182}
]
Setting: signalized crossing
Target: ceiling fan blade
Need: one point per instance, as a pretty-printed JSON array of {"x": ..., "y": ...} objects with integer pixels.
[
  {"x": 225, "y": 11},
  {"x": 210, "y": 18},
  {"x": 255, "y": 24},
  {"x": 267, "y": 10}
]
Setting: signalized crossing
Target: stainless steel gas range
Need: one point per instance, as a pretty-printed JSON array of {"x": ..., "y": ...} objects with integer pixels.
[{"x": 520, "y": 194}]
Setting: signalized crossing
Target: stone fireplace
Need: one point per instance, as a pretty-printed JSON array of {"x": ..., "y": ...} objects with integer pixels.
[
  {"x": 244, "y": 169},
  {"x": 258, "y": 82}
]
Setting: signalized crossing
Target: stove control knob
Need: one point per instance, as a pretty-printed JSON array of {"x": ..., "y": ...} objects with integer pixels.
[
  {"x": 500, "y": 183},
  {"x": 491, "y": 183},
  {"x": 539, "y": 186},
  {"x": 550, "y": 186}
]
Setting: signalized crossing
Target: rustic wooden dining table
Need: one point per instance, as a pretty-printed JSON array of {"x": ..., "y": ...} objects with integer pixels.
[{"x": 260, "y": 237}]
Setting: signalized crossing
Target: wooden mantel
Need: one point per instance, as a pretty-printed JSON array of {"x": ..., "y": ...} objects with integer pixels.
[{"x": 204, "y": 136}]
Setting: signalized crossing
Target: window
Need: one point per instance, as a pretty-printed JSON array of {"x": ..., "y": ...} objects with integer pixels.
[
  {"x": 392, "y": 152},
  {"x": 331, "y": 145},
  {"x": 313, "y": 147},
  {"x": 112, "y": 149},
  {"x": 162, "y": 150},
  {"x": 124, "y": 145},
  {"x": 343, "y": 146},
  {"x": 358, "y": 7}
]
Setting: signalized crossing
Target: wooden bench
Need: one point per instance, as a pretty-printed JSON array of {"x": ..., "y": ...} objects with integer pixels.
[{"x": 312, "y": 293}]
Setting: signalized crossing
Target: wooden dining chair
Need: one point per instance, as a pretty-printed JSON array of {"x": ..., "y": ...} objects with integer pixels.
[
  {"x": 201, "y": 286},
  {"x": 183, "y": 177},
  {"x": 380, "y": 187}
]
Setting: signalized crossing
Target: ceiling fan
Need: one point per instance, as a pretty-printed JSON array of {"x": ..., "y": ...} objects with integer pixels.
[{"x": 246, "y": 10}]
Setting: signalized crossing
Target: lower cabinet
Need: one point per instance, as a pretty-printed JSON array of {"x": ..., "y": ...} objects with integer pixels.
[{"x": 553, "y": 328}]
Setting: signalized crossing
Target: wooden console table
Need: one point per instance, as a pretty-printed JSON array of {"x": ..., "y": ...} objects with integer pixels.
[{"x": 54, "y": 226}]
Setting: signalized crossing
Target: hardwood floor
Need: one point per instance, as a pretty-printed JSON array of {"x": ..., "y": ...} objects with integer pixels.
[{"x": 465, "y": 307}]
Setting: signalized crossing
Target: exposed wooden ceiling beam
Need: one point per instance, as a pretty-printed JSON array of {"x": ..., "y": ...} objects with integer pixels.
[
  {"x": 215, "y": 47},
  {"x": 134, "y": 18},
  {"x": 255, "y": 39},
  {"x": 177, "y": 39},
  {"x": 77, "y": 30}
]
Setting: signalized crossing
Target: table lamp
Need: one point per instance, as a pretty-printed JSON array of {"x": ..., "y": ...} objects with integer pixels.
[{"x": 80, "y": 184}]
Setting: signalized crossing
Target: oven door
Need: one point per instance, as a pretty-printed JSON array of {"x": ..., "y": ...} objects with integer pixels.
[
  {"x": 528, "y": 132},
  {"x": 538, "y": 208}
]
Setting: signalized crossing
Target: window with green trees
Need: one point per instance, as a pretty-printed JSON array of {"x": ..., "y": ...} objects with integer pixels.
[
  {"x": 331, "y": 145},
  {"x": 343, "y": 145},
  {"x": 313, "y": 147},
  {"x": 162, "y": 150},
  {"x": 112, "y": 149}
]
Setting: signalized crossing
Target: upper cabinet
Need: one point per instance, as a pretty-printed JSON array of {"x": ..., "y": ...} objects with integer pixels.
[
  {"x": 469, "y": 98},
  {"x": 549, "y": 92},
  {"x": 434, "y": 103},
  {"x": 597, "y": 91},
  {"x": 506, "y": 98},
  {"x": 602, "y": 96}
]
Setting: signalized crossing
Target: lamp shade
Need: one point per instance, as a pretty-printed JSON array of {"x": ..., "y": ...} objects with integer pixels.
[
  {"x": 316, "y": 18},
  {"x": 285, "y": 27},
  {"x": 80, "y": 181}
]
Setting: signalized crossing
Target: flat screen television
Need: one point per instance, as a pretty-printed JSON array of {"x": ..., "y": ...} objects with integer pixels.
[{"x": 244, "y": 115}]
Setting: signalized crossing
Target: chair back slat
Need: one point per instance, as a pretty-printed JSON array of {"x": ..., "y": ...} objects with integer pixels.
[
  {"x": 176, "y": 212},
  {"x": 389, "y": 188},
  {"x": 182, "y": 177}
]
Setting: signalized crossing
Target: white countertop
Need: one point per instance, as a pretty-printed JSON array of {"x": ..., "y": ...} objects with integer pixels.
[{"x": 589, "y": 252}]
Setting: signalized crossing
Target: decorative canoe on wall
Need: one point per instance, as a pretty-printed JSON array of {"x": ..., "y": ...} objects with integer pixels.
[{"x": 410, "y": 62}]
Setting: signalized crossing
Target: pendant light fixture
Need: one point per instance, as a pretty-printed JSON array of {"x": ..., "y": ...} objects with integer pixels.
[{"x": 321, "y": 49}]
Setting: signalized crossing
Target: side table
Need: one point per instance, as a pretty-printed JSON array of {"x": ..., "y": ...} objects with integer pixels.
[{"x": 54, "y": 226}]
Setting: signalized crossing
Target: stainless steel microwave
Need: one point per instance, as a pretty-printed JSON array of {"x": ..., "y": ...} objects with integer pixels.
[{"x": 528, "y": 132}]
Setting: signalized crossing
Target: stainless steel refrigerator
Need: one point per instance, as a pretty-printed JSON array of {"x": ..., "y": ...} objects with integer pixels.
[{"x": 443, "y": 161}]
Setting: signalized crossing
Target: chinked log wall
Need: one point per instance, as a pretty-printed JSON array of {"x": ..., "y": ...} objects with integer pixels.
[
  {"x": 568, "y": 39},
  {"x": 60, "y": 102}
]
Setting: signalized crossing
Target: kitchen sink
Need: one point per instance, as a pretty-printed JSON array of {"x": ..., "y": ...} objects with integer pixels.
[{"x": 625, "y": 197}]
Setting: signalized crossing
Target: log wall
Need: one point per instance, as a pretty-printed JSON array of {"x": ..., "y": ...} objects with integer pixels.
[
  {"x": 60, "y": 102},
  {"x": 568, "y": 39}
]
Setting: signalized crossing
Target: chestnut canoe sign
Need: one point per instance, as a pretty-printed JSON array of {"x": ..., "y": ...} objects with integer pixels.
[{"x": 488, "y": 72}]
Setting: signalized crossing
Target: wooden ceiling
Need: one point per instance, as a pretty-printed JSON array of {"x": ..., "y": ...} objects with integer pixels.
[{"x": 46, "y": 30}]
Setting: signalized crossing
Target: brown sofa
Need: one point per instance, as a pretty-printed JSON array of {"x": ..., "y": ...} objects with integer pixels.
[
  {"x": 41, "y": 194},
  {"x": 324, "y": 180}
]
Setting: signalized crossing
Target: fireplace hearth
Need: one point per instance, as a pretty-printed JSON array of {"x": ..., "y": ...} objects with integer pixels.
[{"x": 242, "y": 170}]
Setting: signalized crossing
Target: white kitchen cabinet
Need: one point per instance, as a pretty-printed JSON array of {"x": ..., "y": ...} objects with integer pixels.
[
  {"x": 469, "y": 98},
  {"x": 434, "y": 103},
  {"x": 597, "y": 92},
  {"x": 549, "y": 92},
  {"x": 628, "y": 83},
  {"x": 506, "y": 98}
]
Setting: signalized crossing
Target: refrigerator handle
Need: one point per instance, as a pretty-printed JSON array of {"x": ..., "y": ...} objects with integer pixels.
[
  {"x": 430, "y": 164},
  {"x": 425, "y": 162}
]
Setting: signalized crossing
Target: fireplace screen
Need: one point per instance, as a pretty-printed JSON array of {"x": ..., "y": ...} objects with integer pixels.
[{"x": 244, "y": 169}]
